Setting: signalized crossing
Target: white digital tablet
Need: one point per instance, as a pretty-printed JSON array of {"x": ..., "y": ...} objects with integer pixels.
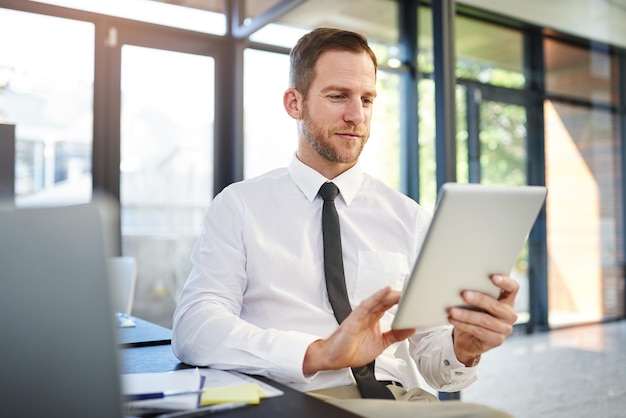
[{"x": 477, "y": 230}]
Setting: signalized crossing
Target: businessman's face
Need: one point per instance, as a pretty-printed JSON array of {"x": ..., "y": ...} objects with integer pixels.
[{"x": 336, "y": 113}]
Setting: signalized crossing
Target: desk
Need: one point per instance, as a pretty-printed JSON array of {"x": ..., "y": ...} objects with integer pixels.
[
  {"x": 144, "y": 357},
  {"x": 143, "y": 334}
]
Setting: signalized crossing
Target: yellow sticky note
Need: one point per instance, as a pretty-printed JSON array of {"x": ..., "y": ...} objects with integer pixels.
[{"x": 249, "y": 393}]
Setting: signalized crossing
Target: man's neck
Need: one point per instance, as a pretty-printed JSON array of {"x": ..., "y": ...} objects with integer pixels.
[{"x": 328, "y": 169}]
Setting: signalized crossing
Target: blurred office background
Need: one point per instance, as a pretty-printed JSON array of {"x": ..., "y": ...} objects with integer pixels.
[{"x": 164, "y": 103}]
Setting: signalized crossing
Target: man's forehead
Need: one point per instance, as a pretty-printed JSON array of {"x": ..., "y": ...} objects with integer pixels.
[
  {"x": 345, "y": 67},
  {"x": 331, "y": 54}
]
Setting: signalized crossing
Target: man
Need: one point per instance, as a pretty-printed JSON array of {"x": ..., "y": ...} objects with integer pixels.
[{"x": 256, "y": 299}]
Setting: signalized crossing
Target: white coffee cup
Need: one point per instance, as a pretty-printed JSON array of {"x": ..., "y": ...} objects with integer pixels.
[{"x": 123, "y": 278}]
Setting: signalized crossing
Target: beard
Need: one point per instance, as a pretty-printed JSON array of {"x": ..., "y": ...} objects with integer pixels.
[{"x": 346, "y": 151}]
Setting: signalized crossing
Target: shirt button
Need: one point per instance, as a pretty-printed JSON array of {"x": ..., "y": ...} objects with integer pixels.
[
  {"x": 446, "y": 362},
  {"x": 458, "y": 373}
]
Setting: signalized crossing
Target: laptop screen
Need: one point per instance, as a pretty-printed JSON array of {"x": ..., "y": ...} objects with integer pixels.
[{"x": 58, "y": 346}]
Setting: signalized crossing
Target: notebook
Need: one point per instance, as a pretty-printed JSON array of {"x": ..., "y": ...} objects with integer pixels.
[
  {"x": 58, "y": 346},
  {"x": 476, "y": 230}
]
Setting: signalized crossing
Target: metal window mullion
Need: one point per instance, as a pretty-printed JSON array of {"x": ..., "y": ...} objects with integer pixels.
[
  {"x": 445, "y": 84},
  {"x": 409, "y": 137}
]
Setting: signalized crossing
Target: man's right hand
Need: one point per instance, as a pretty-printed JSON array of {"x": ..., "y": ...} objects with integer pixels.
[{"x": 359, "y": 339}]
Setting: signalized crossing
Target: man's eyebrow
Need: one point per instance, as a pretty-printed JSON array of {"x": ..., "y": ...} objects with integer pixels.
[{"x": 341, "y": 89}]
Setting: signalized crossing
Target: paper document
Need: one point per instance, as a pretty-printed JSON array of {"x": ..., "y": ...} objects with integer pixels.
[
  {"x": 176, "y": 381},
  {"x": 217, "y": 386}
]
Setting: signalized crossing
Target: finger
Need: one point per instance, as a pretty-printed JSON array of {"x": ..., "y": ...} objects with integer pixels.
[
  {"x": 380, "y": 301},
  {"x": 487, "y": 336},
  {"x": 393, "y": 336},
  {"x": 482, "y": 319},
  {"x": 369, "y": 312},
  {"x": 497, "y": 308},
  {"x": 508, "y": 287},
  {"x": 482, "y": 326}
]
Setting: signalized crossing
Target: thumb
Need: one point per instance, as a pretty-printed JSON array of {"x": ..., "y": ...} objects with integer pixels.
[{"x": 396, "y": 335}]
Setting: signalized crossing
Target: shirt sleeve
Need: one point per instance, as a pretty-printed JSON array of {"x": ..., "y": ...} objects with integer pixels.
[
  {"x": 433, "y": 351},
  {"x": 207, "y": 328}
]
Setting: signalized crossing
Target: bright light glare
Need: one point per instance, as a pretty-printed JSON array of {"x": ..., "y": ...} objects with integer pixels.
[
  {"x": 279, "y": 35},
  {"x": 394, "y": 63},
  {"x": 173, "y": 82},
  {"x": 153, "y": 12}
]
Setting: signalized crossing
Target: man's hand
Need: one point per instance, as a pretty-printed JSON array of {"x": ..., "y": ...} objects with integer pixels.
[
  {"x": 359, "y": 339},
  {"x": 477, "y": 332}
]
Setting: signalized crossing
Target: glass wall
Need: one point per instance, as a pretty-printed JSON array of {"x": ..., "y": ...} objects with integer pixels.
[
  {"x": 491, "y": 131},
  {"x": 270, "y": 134},
  {"x": 584, "y": 214},
  {"x": 583, "y": 166},
  {"x": 167, "y": 110},
  {"x": 503, "y": 143},
  {"x": 577, "y": 72},
  {"x": 206, "y": 16},
  {"x": 427, "y": 160},
  {"x": 427, "y": 157},
  {"x": 486, "y": 52},
  {"x": 46, "y": 91},
  {"x": 489, "y": 53},
  {"x": 166, "y": 169}
]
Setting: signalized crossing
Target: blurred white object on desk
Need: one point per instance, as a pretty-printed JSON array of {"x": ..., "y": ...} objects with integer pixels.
[{"x": 123, "y": 278}]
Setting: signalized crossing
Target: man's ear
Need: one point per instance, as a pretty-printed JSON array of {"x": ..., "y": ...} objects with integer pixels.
[{"x": 292, "y": 100}]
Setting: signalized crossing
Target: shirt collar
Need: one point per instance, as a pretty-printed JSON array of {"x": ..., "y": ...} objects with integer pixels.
[{"x": 309, "y": 181}]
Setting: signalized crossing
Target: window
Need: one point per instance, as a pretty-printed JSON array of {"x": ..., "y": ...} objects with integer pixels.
[
  {"x": 166, "y": 169},
  {"x": 580, "y": 73},
  {"x": 208, "y": 18},
  {"x": 270, "y": 136},
  {"x": 46, "y": 90},
  {"x": 489, "y": 53},
  {"x": 584, "y": 215},
  {"x": 485, "y": 52}
]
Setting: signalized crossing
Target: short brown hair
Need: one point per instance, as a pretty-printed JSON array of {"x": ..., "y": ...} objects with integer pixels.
[{"x": 307, "y": 51}]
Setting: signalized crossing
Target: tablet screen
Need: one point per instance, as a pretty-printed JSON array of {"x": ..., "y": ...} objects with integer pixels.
[{"x": 476, "y": 231}]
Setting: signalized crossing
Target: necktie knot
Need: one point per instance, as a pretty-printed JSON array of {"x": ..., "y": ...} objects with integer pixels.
[{"x": 328, "y": 191}]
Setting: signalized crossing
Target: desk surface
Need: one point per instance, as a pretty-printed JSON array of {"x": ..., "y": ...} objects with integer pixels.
[
  {"x": 146, "y": 348},
  {"x": 159, "y": 358},
  {"x": 144, "y": 333}
]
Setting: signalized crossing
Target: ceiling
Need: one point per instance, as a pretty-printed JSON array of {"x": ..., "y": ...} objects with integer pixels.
[{"x": 598, "y": 20}]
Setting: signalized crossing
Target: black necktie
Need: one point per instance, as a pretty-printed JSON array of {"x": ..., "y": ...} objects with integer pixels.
[{"x": 369, "y": 387}]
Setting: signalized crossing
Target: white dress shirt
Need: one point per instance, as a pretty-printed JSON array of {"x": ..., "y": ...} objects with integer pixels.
[{"x": 256, "y": 298}]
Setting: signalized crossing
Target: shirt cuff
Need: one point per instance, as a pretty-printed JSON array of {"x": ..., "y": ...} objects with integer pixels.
[
  {"x": 287, "y": 357},
  {"x": 454, "y": 372}
]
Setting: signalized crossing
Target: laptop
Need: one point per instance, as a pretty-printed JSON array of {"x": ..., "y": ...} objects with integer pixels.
[
  {"x": 477, "y": 230},
  {"x": 58, "y": 346}
]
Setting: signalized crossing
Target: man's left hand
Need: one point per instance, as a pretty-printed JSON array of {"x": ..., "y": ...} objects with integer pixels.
[{"x": 476, "y": 332}]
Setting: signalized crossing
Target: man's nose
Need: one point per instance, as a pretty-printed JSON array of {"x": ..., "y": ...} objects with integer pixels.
[{"x": 354, "y": 111}]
